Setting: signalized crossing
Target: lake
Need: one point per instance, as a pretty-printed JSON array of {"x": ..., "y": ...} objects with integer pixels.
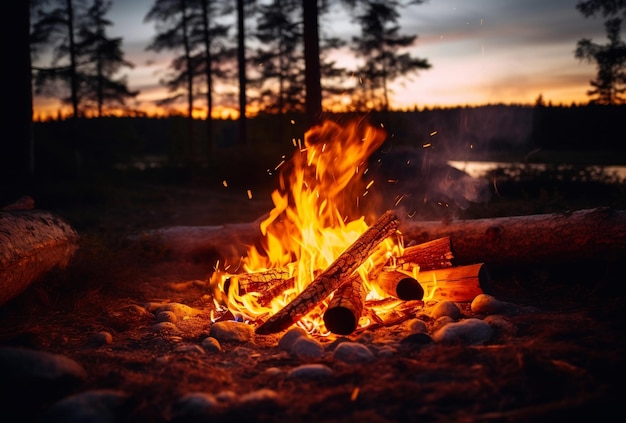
[{"x": 479, "y": 168}]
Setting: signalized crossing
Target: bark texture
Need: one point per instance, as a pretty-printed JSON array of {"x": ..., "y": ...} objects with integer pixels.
[
  {"x": 544, "y": 238},
  {"x": 32, "y": 243}
]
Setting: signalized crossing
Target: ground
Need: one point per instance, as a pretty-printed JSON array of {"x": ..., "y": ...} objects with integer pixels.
[{"x": 562, "y": 361}]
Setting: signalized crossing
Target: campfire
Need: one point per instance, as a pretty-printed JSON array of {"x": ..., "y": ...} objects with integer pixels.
[{"x": 320, "y": 264}]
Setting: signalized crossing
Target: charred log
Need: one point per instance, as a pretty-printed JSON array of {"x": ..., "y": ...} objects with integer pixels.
[
  {"x": 344, "y": 310},
  {"x": 330, "y": 279}
]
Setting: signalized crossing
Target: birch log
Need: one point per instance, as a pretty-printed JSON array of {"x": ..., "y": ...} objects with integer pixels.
[{"x": 32, "y": 243}]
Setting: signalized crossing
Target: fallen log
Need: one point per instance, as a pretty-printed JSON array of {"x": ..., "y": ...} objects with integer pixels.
[
  {"x": 545, "y": 238},
  {"x": 433, "y": 254},
  {"x": 330, "y": 279},
  {"x": 32, "y": 243}
]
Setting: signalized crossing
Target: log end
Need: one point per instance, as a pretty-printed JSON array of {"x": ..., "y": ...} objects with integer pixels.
[
  {"x": 340, "y": 320},
  {"x": 409, "y": 289}
]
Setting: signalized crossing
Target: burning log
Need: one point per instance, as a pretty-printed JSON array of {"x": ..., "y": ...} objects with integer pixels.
[
  {"x": 330, "y": 279},
  {"x": 459, "y": 283},
  {"x": 267, "y": 284},
  {"x": 344, "y": 310},
  {"x": 435, "y": 254},
  {"x": 32, "y": 243},
  {"x": 549, "y": 238},
  {"x": 400, "y": 285}
]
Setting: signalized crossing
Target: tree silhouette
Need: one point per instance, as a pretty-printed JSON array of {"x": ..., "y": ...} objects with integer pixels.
[
  {"x": 610, "y": 83},
  {"x": 380, "y": 46},
  {"x": 281, "y": 55},
  {"x": 312, "y": 64},
  {"x": 605, "y": 7},
  {"x": 84, "y": 58},
  {"x": 104, "y": 58}
]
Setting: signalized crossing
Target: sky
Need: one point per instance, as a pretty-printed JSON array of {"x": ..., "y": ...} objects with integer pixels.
[{"x": 481, "y": 52}]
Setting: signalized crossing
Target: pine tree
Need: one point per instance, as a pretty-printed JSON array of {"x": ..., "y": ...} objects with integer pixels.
[
  {"x": 610, "y": 83},
  {"x": 380, "y": 47}
]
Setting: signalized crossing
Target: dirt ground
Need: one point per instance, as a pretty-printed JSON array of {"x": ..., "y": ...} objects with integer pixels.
[{"x": 562, "y": 362}]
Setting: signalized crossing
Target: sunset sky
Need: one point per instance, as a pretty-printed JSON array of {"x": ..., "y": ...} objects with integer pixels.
[{"x": 481, "y": 52}]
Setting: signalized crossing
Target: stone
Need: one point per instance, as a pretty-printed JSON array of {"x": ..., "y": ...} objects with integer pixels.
[
  {"x": 97, "y": 406},
  {"x": 468, "y": 332},
  {"x": 231, "y": 331},
  {"x": 353, "y": 352}
]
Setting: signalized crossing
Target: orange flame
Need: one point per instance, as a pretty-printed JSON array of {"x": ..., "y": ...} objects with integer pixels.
[{"x": 317, "y": 214}]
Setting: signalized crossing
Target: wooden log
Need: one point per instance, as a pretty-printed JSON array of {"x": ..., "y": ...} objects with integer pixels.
[
  {"x": 545, "y": 238},
  {"x": 32, "y": 243},
  {"x": 459, "y": 283},
  {"x": 435, "y": 254},
  {"x": 330, "y": 279},
  {"x": 267, "y": 284},
  {"x": 589, "y": 234},
  {"x": 344, "y": 310},
  {"x": 399, "y": 285}
]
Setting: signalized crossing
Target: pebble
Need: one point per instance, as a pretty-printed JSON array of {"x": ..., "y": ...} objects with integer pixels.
[
  {"x": 261, "y": 395},
  {"x": 98, "y": 406},
  {"x": 37, "y": 375},
  {"x": 166, "y": 316},
  {"x": 181, "y": 311},
  {"x": 310, "y": 371},
  {"x": 194, "y": 404},
  {"x": 306, "y": 348},
  {"x": 468, "y": 332},
  {"x": 291, "y": 336},
  {"x": 446, "y": 308},
  {"x": 487, "y": 304},
  {"x": 101, "y": 338},
  {"x": 232, "y": 331},
  {"x": 211, "y": 344},
  {"x": 442, "y": 321},
  {"x": 353, "y": 352},
  {"x": 417, "y": 326},
  {"x": 166, "y": 328},
  {"x": 501, "y": 326},
  {"x": 226, "y": 396}
]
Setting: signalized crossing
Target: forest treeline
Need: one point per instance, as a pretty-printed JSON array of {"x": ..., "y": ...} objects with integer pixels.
[{"x": 114, "y": 143}]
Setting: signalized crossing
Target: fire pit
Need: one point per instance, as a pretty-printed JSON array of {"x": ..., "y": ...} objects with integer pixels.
[{"x": 328, "y": 308}]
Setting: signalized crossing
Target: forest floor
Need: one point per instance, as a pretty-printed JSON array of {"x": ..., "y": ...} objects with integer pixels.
[{"x": 562, "y": 361}]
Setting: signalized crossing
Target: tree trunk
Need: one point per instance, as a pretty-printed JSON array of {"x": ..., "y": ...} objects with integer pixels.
[
  {"x": 312, "y": 73},
  {"x": 241, "y": 63},
  {"x": 32, "y": 243}
]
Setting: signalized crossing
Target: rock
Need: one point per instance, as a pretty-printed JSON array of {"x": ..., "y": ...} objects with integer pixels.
[
  {"x": 166, "y": 328},
  {"x": 446, "y": 308},
  {"x": 353, "y": 352},
  {"x": 468, "y": 332},
  {"x": 307, "y": 349},
  {"x": 310, "y": 371},
  {"x": 417, "y": 326},
  {"x": 291, "y": 336},
  {"x": 189, "y": 349},
  {"x": 166, "y": 316},
  {"x": 99, "y": 406},
  {"x": 211, "y": 344},
  {"x": 417, "y": 339},
  {"x": 101, "y": 338},
  {"x": 29, "y": 376},
  {"x": 487, "y": 304},
  {"x": 501, "y": 326},
  {"x": 231, "y": 331},
  {"x": 181, "y": 311},
  {"x": 194, "y": 405},
  {"x": 264, "y": 395}
]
